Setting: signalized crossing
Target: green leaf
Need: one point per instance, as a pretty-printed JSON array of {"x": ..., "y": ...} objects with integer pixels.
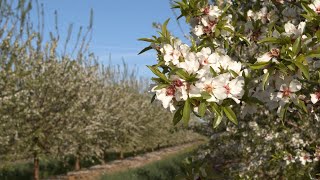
[
  {"x": 259, "y": 65},
  {"x": 182, "y": 74},
  {"x": 217, "y": 32},
  {"x": 227, "y": 29},
  {"x": 283, "y": 112},
  {"x": 153, "y": 98},
  {"x": 145, "y": 49},
  {"x": 158, "y": 73},
  {"x": 202, "y": 108},
  {"x": 216, "y": 109},
  {"x": 314, "y": 55},
  {"x": 177, "y": 116},
  {"x": 205, "y": 95},
  {"x": 296, "y": 46},
  {"x": 265, "y": 79},
  {"x": 302, "y": 106},
  {"x": 147, "y": 40},
  {"x": 230, "y": 114},
  {"x": 186, "y": 112},
  {"x": 233, "y": 73},
  {"x": 161, "y": 86},
  {"x": 304, "y": 69},
  {"x": 214, "y": 74},
  {"x": 164, "y": 28},
  {"x": 217, "y": 120},
  {"x": 308, "y": 9},
  {"x": 269, "y": 40}
]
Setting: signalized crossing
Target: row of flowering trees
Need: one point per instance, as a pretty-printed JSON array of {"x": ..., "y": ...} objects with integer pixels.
[
  {"x": 254, "y": 60},
  {"x": 62, "y": 106}
]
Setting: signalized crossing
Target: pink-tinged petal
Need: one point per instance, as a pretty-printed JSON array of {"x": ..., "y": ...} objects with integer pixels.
[
  {"x": 314, "y": 98},
  {"x": 316, "y": 3},
  {"x": 236, "y": 87},
  {"x": 168, "y": 48},
  {"x": 198, "y": 30},
  {"x": 166, "y": 100},
  {"x": 266, "y": 57},
  {"x": 235, "y": 100},
  {"x": 295, "y": 85},
  {"x": 220, "y": 93},
  {"x": 289, "y": 28},
  {"x": 206, "y": 51},
  {"x": 194, "y": 91},
  {"x": 172, "y": 108},
  {"x": 283, "y": 87},
  {"x": 280, "y": 95}
]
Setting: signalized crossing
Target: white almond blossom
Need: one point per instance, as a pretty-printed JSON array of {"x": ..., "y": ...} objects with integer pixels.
[
  {"x": 191, "y": 63},
  {"x": 315, "y": 6},
  {"x": 304, "y": 158},
  {"x": 289, "y": 159},
  {"x": 272, "y": 55},
  {"x": 315, "y": 97},
  {"x": 288, "y": 89},
  {"x": 235, "y": 89},
  {"x": 165, "y": 95},
  {"x": 172, "y": 53},
  {"x": 213, "y": 86},
  {"x": 293, "y": 31}
]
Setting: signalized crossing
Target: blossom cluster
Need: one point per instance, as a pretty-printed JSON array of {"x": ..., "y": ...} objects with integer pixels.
[
  {"x": 212, "y": 72},
  {"x": 247, "y": 59}
]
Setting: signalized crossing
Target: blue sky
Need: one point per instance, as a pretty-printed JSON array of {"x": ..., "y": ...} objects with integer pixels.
[{"x": 117, "y": 26}]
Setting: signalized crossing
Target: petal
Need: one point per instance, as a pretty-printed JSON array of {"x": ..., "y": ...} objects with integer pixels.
[
  {"x": 198, "y": 30},
  {"x": 279, "y": 95},
  {"x": 283, "y": 87},
  {"x": 168, "y": 48},
  {"x": 235, "y": 100},
  {"x": 172, "y": 108},
  {"x": 206, "y": 51},
  {"x": 166, "y": 101},
  {"x": 301, "y": 27},
  {"x": 220, "y": 93},
  {"x": 314, "y": 98},
  {"x": 264, "y": 58},
  {"x": 194, "y": 91},
  {"x": 295, "y": 85},
  {"x": 289, "y": 28}
]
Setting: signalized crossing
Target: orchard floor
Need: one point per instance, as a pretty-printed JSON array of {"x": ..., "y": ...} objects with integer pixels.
[{"x": 95, "y": 172}]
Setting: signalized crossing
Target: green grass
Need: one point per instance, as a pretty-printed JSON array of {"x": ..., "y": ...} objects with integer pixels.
[{"x": 167, "y": 168}]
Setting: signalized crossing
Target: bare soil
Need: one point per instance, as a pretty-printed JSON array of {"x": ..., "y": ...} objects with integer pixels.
[{"x": 97, "y": 171}]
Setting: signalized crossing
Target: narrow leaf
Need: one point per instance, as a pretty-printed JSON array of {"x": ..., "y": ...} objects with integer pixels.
[
  {"x": 177, "y": 116},
  {"x": 259, "y": 65},
  {"x": 304, "y": 69},
  {"x": 265, "y": 79},
  {"x": 216, "y": 121},
  {"x": 145, "y": 49},
  {"x": 202, "y": 108},
  {"x": 296, "y": 46},
  {"x": 158, "y": 73},
  {"x": 230, "y": 114},
  {"x": 186, "y": 112}
]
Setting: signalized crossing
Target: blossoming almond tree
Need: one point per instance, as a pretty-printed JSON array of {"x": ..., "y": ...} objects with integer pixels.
[{"x": 259, "y": 54}]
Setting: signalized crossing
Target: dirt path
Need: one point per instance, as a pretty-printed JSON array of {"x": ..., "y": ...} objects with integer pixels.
[{"x": 95, "y": 172}]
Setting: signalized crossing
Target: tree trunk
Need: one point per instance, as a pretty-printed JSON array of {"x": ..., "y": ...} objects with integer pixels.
[
  {"x": 105, "y": 158},
  {"x": 36, "y": 168},
  {"x": 77, "y": 164},
  {"x": 121, "y": 155}
]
